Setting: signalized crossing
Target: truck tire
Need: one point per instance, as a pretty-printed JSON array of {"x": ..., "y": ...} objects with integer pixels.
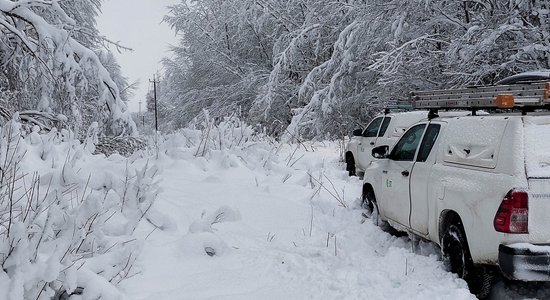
[
  {"x": 370, "y": 205},
  {"x": 368, "y": 201},
  {"x": 350, "y": 164},
  {"x": 456, "y": 253}
]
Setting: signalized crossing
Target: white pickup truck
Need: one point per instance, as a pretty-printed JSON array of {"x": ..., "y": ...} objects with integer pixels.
[
  {"x": 478, "y": 186},
  {"x": 385, "y": 129}
]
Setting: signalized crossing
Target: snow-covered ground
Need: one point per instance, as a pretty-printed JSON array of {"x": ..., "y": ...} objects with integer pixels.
[{"x": 281, "y": 232}]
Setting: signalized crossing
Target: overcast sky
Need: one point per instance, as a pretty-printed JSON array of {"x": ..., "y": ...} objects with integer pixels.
[{"x": 138, "y": 24}]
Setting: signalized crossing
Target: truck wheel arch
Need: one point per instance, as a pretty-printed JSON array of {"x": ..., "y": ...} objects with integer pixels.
[{"x": 446, "y": 218}]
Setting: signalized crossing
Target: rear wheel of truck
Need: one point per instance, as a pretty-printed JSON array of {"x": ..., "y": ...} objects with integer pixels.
[
  {"x": 456, "y": 254},
  {"x": 350, "y": 164}
]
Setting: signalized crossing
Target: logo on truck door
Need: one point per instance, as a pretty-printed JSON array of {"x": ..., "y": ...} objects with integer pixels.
[{"x": 388, "y": 183}]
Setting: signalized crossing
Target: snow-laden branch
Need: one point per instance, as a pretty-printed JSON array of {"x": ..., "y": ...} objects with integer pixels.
[
  {"x": 388, "y": 62},
  {"x": 62, "y": 57},
  {"x": 281, "y": 63},
  {"x": 323, "y": 96}
]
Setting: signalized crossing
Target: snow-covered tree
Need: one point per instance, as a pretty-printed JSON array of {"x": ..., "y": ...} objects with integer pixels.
[
  {"x": 48, "y": 53},
  {"x": 224, "y": 56},
  {"x": 305, "y": 68},
  {"x": 500, "y": 38}
]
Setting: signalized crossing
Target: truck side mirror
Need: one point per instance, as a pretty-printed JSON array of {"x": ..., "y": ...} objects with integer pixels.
[
  {"x": 357, "y": 132},
  {"x": 381, "y": 151}
]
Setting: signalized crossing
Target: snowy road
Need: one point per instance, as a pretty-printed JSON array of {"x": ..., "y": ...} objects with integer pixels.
[{"x": 280, "y": 234}]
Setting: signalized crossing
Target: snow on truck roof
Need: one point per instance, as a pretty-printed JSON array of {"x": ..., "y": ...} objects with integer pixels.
[
  {"x": 403, "y": 120},
  {"x": 423, "y": 114}
]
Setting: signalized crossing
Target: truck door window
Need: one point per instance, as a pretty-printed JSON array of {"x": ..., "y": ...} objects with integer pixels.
[
  {"x": 384, "y": 126},
  {"x": 372, "y": 129},
  {"x": 405, "y": 149},
  {"x": 428, "y": 142}
]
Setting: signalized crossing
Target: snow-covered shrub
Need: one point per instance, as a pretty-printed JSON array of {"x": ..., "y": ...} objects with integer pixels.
[
  {"x": 67, "y": 216},
  {"x": 231, "y": 133},
  {"x": 231, "y": 137},
  {"x": 123, "y": 145},
  {"x": 201, "y": 239}
]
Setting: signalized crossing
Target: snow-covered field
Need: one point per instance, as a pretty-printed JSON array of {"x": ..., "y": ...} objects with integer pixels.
[
  {"x": 275, "y": 224},
  {"x": 238, "y": 216}
]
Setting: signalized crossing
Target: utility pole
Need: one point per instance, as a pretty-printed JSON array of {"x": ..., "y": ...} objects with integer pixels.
[{"x": 155, "y": 97}]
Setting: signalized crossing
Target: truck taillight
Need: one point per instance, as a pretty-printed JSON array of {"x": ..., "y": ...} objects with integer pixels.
[{"x": 513, "y": 214}]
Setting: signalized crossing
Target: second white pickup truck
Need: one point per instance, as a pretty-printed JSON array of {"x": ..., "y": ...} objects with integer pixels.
[{"x": 385, "y": 129}]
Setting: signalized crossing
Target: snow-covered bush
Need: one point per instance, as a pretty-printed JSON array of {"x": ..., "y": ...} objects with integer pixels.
[
  {"x": 201, "y": 239},
  {"x": 67, "y": 216},
  {"x": 231, "y": 133},
  {"x": 211, "y": 139},
  {"x": 123, "y": 145}
]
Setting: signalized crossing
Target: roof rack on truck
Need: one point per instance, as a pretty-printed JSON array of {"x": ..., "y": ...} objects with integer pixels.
[
  {"x": 400, "y": 105},
  {"x": 524, "y": 96}
]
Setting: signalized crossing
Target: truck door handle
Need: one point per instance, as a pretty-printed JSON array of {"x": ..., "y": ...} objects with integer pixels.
[
  {"x": 405, "y": 173},
  {"x": 372, "y": 143},
  {"x": 384, "y": 172}
]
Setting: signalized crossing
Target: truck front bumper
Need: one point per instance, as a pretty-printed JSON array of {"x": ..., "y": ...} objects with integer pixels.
[{"x": 526, "y": 262}]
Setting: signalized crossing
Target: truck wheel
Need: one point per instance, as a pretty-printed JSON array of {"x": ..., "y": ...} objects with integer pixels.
[
  {"x": 350, "y": 165},
  {"x": 368, "y": 201},
  {"x": 457, "y": 255},
  {"x": 370, "y": 205}
]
